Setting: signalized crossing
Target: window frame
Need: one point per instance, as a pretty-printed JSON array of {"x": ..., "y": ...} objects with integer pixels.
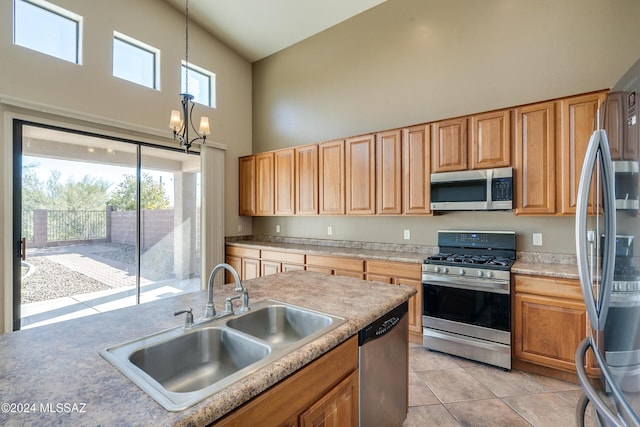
[
  {"x": 55, "y": 10},
  {"x": 212, "y": 81},
  {"x": 143, "y": 47}
]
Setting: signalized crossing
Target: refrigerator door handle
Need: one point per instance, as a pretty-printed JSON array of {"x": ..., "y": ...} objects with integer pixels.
[
  {"x": 597, "y": 155},
  {"x": 626, "y": 415}
]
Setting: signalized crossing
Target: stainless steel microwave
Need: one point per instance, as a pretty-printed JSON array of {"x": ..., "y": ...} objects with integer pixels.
[{"x": 474, "y": 190}]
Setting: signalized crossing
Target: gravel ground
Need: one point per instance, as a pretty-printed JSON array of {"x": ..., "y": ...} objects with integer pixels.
[{"x": 51, "y": 280}]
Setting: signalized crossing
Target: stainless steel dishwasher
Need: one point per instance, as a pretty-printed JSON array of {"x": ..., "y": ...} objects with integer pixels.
[{"x": 384, "y": 370}]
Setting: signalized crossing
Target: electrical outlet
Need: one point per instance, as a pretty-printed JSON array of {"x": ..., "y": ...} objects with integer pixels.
[
  {"x": 277, "y": 228},
  {"x": 239, "y": 228},
  {"x": 329, "y": 230},
  {"x": 407, "y": 234},
  {"x": 537, "y": 239}
]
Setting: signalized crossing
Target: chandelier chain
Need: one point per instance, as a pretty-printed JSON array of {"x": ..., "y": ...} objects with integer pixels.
[{"x": 186, "y": 48}]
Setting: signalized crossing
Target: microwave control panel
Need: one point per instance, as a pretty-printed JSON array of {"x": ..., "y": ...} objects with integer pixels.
[{"x": 502, "y": 189}]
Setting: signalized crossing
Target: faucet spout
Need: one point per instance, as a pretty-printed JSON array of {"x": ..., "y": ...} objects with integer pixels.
[{"x": 210, "y": 310}]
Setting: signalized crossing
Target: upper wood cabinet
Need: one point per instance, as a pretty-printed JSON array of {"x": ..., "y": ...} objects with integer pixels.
[
  {"x": 416, "y": 170},
  {"x": 264, "y": 184},
  {"x": 449, "y": 145},
  {"x": 247, "y": 185},
  {"x": 535, "y": 159},
  {"x": 360, "y": 173},
  {"x": 490, "y": 145},
  {"x": 306, "y": 176},
  {"x": 388, "y": 172},
  {"x": 331, "y": 178},
  {"x": 579, "y": 120},
  {"x": 284, "y": 182}
]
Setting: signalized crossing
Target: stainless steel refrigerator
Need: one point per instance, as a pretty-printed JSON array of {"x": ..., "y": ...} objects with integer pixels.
[{"x": 608, "y": 257}]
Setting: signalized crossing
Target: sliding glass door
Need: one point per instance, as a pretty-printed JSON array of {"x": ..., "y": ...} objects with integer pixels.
[{"x": 104, "y": 223}]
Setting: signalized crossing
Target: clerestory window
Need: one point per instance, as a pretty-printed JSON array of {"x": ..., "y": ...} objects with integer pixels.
[{"x": 47, "y": 28}]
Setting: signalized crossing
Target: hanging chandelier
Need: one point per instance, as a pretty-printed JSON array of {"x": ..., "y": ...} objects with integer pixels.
[{"x": 182, "y": 120}]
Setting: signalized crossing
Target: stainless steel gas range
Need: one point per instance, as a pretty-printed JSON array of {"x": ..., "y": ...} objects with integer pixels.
[{"x": 467, "y": 296}]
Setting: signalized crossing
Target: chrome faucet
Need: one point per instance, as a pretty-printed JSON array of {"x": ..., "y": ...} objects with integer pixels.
[{"x": 210, "y": 310}]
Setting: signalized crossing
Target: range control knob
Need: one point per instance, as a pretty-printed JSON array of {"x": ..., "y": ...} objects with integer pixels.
[
  {"x": 489, "y": 274},
  {"x": 479, "y": 273},
  {"x": 445, "y": 270},
  {"x": 437, "y": 269},
  {"x": 462, "y": 272}
]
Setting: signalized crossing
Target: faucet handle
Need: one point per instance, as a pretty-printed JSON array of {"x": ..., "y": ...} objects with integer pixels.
[
  {"x": 188, "y": 321},
  {"x": 228, "y": 306},
  {"x": 245, "y": 300}
]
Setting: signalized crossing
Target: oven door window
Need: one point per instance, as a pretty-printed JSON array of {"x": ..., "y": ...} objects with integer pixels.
[{"x": 479, "y": 308}]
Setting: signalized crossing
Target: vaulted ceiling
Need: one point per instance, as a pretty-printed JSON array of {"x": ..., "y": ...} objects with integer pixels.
[{"x": 259, "y": 28}]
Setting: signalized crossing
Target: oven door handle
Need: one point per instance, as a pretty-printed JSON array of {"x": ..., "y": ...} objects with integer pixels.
[{"x": 468, "y": 283}]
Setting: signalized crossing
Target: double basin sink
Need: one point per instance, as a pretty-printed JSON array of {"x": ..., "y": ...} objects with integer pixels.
[{"x": 179, "y": 367}]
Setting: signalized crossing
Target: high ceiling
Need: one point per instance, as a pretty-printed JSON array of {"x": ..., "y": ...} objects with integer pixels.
[{"x": 259, "y": 28}]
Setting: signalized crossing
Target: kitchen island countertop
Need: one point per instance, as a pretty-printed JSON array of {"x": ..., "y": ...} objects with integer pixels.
[{"x": 54, "y": 374}]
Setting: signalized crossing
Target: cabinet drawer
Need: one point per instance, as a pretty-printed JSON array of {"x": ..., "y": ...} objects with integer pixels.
[
  {"x": 395, "y": 269},
  {"x": 548, "y": 286},
  {"x": 243, "y": 252},
  {"x": 336, "y": 263},
  {"x": 288, "y": 257}
]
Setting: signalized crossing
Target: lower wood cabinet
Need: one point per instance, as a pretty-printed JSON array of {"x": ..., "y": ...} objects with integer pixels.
[
  {"x": 549, "y": 321},
  {"x": 251, "y": 263},
  {"x": 338, "y": 266},
  {"x": 273, "y": 262},
  {"x": 246, "y": 261},
  {"x": 402, "y": 273},
  {"x": 323, "y": 393}
]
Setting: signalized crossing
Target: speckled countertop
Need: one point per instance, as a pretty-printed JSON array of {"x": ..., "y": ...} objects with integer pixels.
[
  {"x": 60, "y": 365},
  {"x": 533, "y": 263}
]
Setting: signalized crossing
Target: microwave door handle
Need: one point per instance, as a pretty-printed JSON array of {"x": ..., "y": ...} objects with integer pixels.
[{"x": 489, "y": 182}]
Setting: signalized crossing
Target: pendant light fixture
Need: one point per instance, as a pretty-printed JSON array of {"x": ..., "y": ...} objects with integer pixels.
[{"x": 182, "y": 121}]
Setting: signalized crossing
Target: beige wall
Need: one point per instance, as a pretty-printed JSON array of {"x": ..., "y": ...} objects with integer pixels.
[
  {"x": 411, "y": 61},
  {"x": 88, "y": 97}
]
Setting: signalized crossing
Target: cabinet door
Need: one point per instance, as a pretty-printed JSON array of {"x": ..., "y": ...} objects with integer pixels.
[
  {"x": 535, "y": 159},
  {"x": 247, "y": 178},
  {"x": 284, "y": 182},
  {"x": 236, "y": 263},
  {"x": 331, "y": 177},
  {"x": 491, "y": 140},
  {"x": 416, "y": 170},
  {"x": 450, "y": 145},
  {"x": 579, "y": 115},
  {"x": 360, "y": 175},
  {"x": 264, "y": 184},
  {"x": 306, "y": 165},
  {"x": 338, "y": 408},
  {"x": 547, "y": 330},
  {"x": 269, "y": 267},
  {"x": 415, "y": 304},
  {"x": 389, "y": 172},
  {"x": 250, "y": 268}
]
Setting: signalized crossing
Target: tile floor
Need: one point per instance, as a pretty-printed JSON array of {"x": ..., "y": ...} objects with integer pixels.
[{"x": 450, "y": 391}]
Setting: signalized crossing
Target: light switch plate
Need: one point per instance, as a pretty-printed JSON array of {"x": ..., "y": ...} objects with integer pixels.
[
  {"x": 407, "y": 234},
  {"x": 329, "y": 230},
  {"x": 537, "y": 239},
  {"x": 277, "y": 228}
]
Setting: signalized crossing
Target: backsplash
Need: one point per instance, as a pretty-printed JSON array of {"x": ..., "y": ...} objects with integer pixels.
[{"x": 530, "y": 257}]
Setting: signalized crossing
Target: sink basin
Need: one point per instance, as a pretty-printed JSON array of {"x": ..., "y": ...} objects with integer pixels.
[
  {"x": 179, "y": 367},
  {"x": 281, "y": 324},
  {"x": 194, "y": 361}
]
